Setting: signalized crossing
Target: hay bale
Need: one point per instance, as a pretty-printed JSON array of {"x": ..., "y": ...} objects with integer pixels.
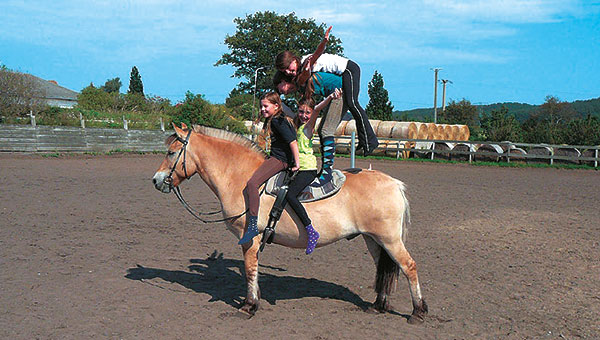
[
  {"x": 590, "y": 153},
  {"x": 568, "y": 152},
  {"x": 423, "y": 149},
  {"x": 342, "y": 145},
  {"x": 462, "y": 147},
  {"x": 375, "y": 124},
  {"x": 393, "y": 148},
  {"x": 447, "y": 132},
  {"x": 382, "y": 147},
  {"x": 443, "y": 146},
  {"x": 455, "y": 132},
  {"x": 342, "y": 129},
  {"x": 422, "y": 130},
  {"x": 517, "y": 154},
  {"x": 494, "y": 149},
  {"x": 384, "y": 130},
  {"x": 540, "y": 151},
  {"x": 463, "y": 132},
  {"x": 404, "y": 130}
]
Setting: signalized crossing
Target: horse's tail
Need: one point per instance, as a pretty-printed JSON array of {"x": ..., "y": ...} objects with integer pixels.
[
  {"x": 406, "y": 212},
  {"x": 387, "y": 268}
]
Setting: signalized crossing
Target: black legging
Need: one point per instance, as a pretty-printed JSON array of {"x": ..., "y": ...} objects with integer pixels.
[
  {"x": 301, "y": 181},
  {"x": 351, "y": 89}
]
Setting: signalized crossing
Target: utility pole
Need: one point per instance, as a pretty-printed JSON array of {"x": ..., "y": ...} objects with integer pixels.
[
  {"x": 254, "y": 95},
  {"x": 435, "y": 70},
  {"x": 444, "y": 81}
]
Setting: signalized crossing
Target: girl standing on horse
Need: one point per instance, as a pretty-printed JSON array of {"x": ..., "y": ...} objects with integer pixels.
[
  {"x": 301, "y": 69},
  {"x": 305, "y": 125},
  {"x": 300, "y": 72},
  {"x": 284, "y": 153}
]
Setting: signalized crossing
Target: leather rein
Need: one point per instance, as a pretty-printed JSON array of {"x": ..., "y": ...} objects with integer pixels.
[{"x": 169, "y": 181}]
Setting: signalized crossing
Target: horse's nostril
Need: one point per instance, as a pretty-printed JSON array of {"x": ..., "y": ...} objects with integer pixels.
[{"x": 154, "y": 181}]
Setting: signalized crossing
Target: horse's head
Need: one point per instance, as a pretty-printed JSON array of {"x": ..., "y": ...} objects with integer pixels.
[{"x": 178, "y": 164}]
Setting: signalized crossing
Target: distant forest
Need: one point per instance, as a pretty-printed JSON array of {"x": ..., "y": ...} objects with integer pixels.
[{"x": 519, "y": 110}]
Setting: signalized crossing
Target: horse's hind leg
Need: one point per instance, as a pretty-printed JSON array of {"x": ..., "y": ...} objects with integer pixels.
[
  {"x": 387, "y": 274},
  {"x": 409, "y": 267},
  {"x": 250, "y": 251}
]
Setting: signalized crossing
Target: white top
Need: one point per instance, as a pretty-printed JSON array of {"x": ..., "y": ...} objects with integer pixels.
[{"x": 329, "y": 63}]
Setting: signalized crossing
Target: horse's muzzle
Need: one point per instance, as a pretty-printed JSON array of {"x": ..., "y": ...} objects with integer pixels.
[{"x": 161, "y": 183}]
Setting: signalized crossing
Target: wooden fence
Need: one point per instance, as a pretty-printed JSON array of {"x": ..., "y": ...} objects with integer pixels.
[
  {"x": 41, "y": 138},
  {"x": 26, "y": 138}
]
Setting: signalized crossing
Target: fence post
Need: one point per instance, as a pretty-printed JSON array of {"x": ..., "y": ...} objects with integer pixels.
[
  {"x": 124, "y": 123},
  {"x": 32, "y": 118},
  {"x": 162, "y": 125},
  {"x": 81, "y": 120},
  {"x": 432, "y": 149},
  {"x": 470, "y": 153},
  {"x": 508, "y": 147},
  {"x": 352, "y": 150},
  {"x": 596, "y": 160}
]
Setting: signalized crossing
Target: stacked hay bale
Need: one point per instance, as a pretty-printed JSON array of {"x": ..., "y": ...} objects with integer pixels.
[
  {"x": 345, "y": 128},
  {"x": 462, "y": 147},
  {"x": 567, "y": 151},
  {"x": 489, "y": 152},
  {"x": 541, "y": 151},
  {"x": 405, "y": 130},
  {"x": 384, "y": 133}
]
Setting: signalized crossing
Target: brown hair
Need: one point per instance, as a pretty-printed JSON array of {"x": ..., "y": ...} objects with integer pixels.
[
  {"x": 279, "y": 77},
  {"x": 273, "y": 98},
  {"x": 284, "y": 59}
]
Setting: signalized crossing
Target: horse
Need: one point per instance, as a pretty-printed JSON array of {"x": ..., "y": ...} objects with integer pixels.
[{"x": 370, "y": 203}]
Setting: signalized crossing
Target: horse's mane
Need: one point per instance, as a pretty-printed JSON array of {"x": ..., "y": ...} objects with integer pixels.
[{"x": 223, "y": 135}]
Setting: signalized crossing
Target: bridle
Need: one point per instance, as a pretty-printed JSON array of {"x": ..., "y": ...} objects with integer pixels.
[{"x": 169, "y": 181}]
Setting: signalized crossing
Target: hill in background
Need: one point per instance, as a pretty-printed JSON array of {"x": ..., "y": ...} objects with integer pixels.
[{"x": 521, "y": 111}]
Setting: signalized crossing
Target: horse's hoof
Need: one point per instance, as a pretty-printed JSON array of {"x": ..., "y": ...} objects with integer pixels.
[
  {"x": 241, "y": 314},
  {"x": 374, "y": 310},
  {"x": 249, "y": 309},
  {"x": 415, "y": 320}
]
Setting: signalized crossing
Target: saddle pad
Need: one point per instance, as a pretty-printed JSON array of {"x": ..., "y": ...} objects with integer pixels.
[{"x": 309, "y": 194}]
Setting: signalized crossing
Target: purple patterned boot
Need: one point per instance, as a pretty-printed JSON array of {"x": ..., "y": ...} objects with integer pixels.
[{"x": 313, "y": 237}]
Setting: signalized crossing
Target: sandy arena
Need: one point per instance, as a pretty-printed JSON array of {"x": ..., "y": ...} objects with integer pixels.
[{"x": 89, "y": 249}]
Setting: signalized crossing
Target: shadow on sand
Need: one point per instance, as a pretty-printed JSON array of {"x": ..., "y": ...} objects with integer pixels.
[{"x": 221, "y": 279}]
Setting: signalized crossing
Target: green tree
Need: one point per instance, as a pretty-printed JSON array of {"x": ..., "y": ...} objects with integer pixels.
[
  {"x": 379, "y": 106},
  {"x": 546, "y": 125},
  {"x": 197, "y": 110},
  {"x": 462, "y": 112},
  {"x": 93, "y": 98},
  {"x": 582, "y": 131},
  {"x": 259, "y": 37},
  {"x": 135, "y": 82},
  {"x": 499, "y": 125},
  {"x": 240, "y": 105},
  {"x": 112, "y": 85},
  {"x": 20, "y": 93}
]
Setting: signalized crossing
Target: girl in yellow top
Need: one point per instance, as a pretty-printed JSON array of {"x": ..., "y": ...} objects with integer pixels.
[{"x": 305, "y": 126}]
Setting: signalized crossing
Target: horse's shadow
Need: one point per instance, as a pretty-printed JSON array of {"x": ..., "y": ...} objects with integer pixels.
[{"x": 222, "y": 279}]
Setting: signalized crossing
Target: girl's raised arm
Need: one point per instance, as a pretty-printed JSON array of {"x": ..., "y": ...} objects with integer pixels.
[{"x": 310, "y": 61}]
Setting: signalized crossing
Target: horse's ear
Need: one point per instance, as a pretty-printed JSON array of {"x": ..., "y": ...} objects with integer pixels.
[
  {"x": 183, "y": 126},
  {"x": 179, "y": 131}
]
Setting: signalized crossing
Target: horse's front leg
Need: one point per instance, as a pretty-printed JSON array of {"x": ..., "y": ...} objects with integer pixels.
[{"x": 250, "y": 251}]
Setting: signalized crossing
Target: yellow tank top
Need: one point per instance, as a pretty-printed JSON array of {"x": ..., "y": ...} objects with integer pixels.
[{"x": 308, "y": 161}]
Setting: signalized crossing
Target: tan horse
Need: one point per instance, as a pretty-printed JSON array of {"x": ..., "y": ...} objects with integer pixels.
[{"x": 370, "y": 203}]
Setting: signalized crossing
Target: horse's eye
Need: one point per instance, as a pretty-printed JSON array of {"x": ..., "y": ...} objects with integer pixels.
[{"x": 170, "y": 153}]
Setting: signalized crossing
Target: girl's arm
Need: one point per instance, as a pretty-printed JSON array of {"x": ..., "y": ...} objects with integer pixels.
[
  {"x": 310, "y": 61},
  {"x": 296, "y": 154},
  {"x": 309, "y": 128}
]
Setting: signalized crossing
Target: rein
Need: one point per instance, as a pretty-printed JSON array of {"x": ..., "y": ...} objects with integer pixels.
[{"x": 169, "y": 181}]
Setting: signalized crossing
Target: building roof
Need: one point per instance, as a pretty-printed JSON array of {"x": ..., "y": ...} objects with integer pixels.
[{"x": 54, "y": 91}]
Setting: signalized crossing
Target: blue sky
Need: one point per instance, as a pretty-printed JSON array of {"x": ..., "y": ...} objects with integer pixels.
[{"x": 492, "y": 51}]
